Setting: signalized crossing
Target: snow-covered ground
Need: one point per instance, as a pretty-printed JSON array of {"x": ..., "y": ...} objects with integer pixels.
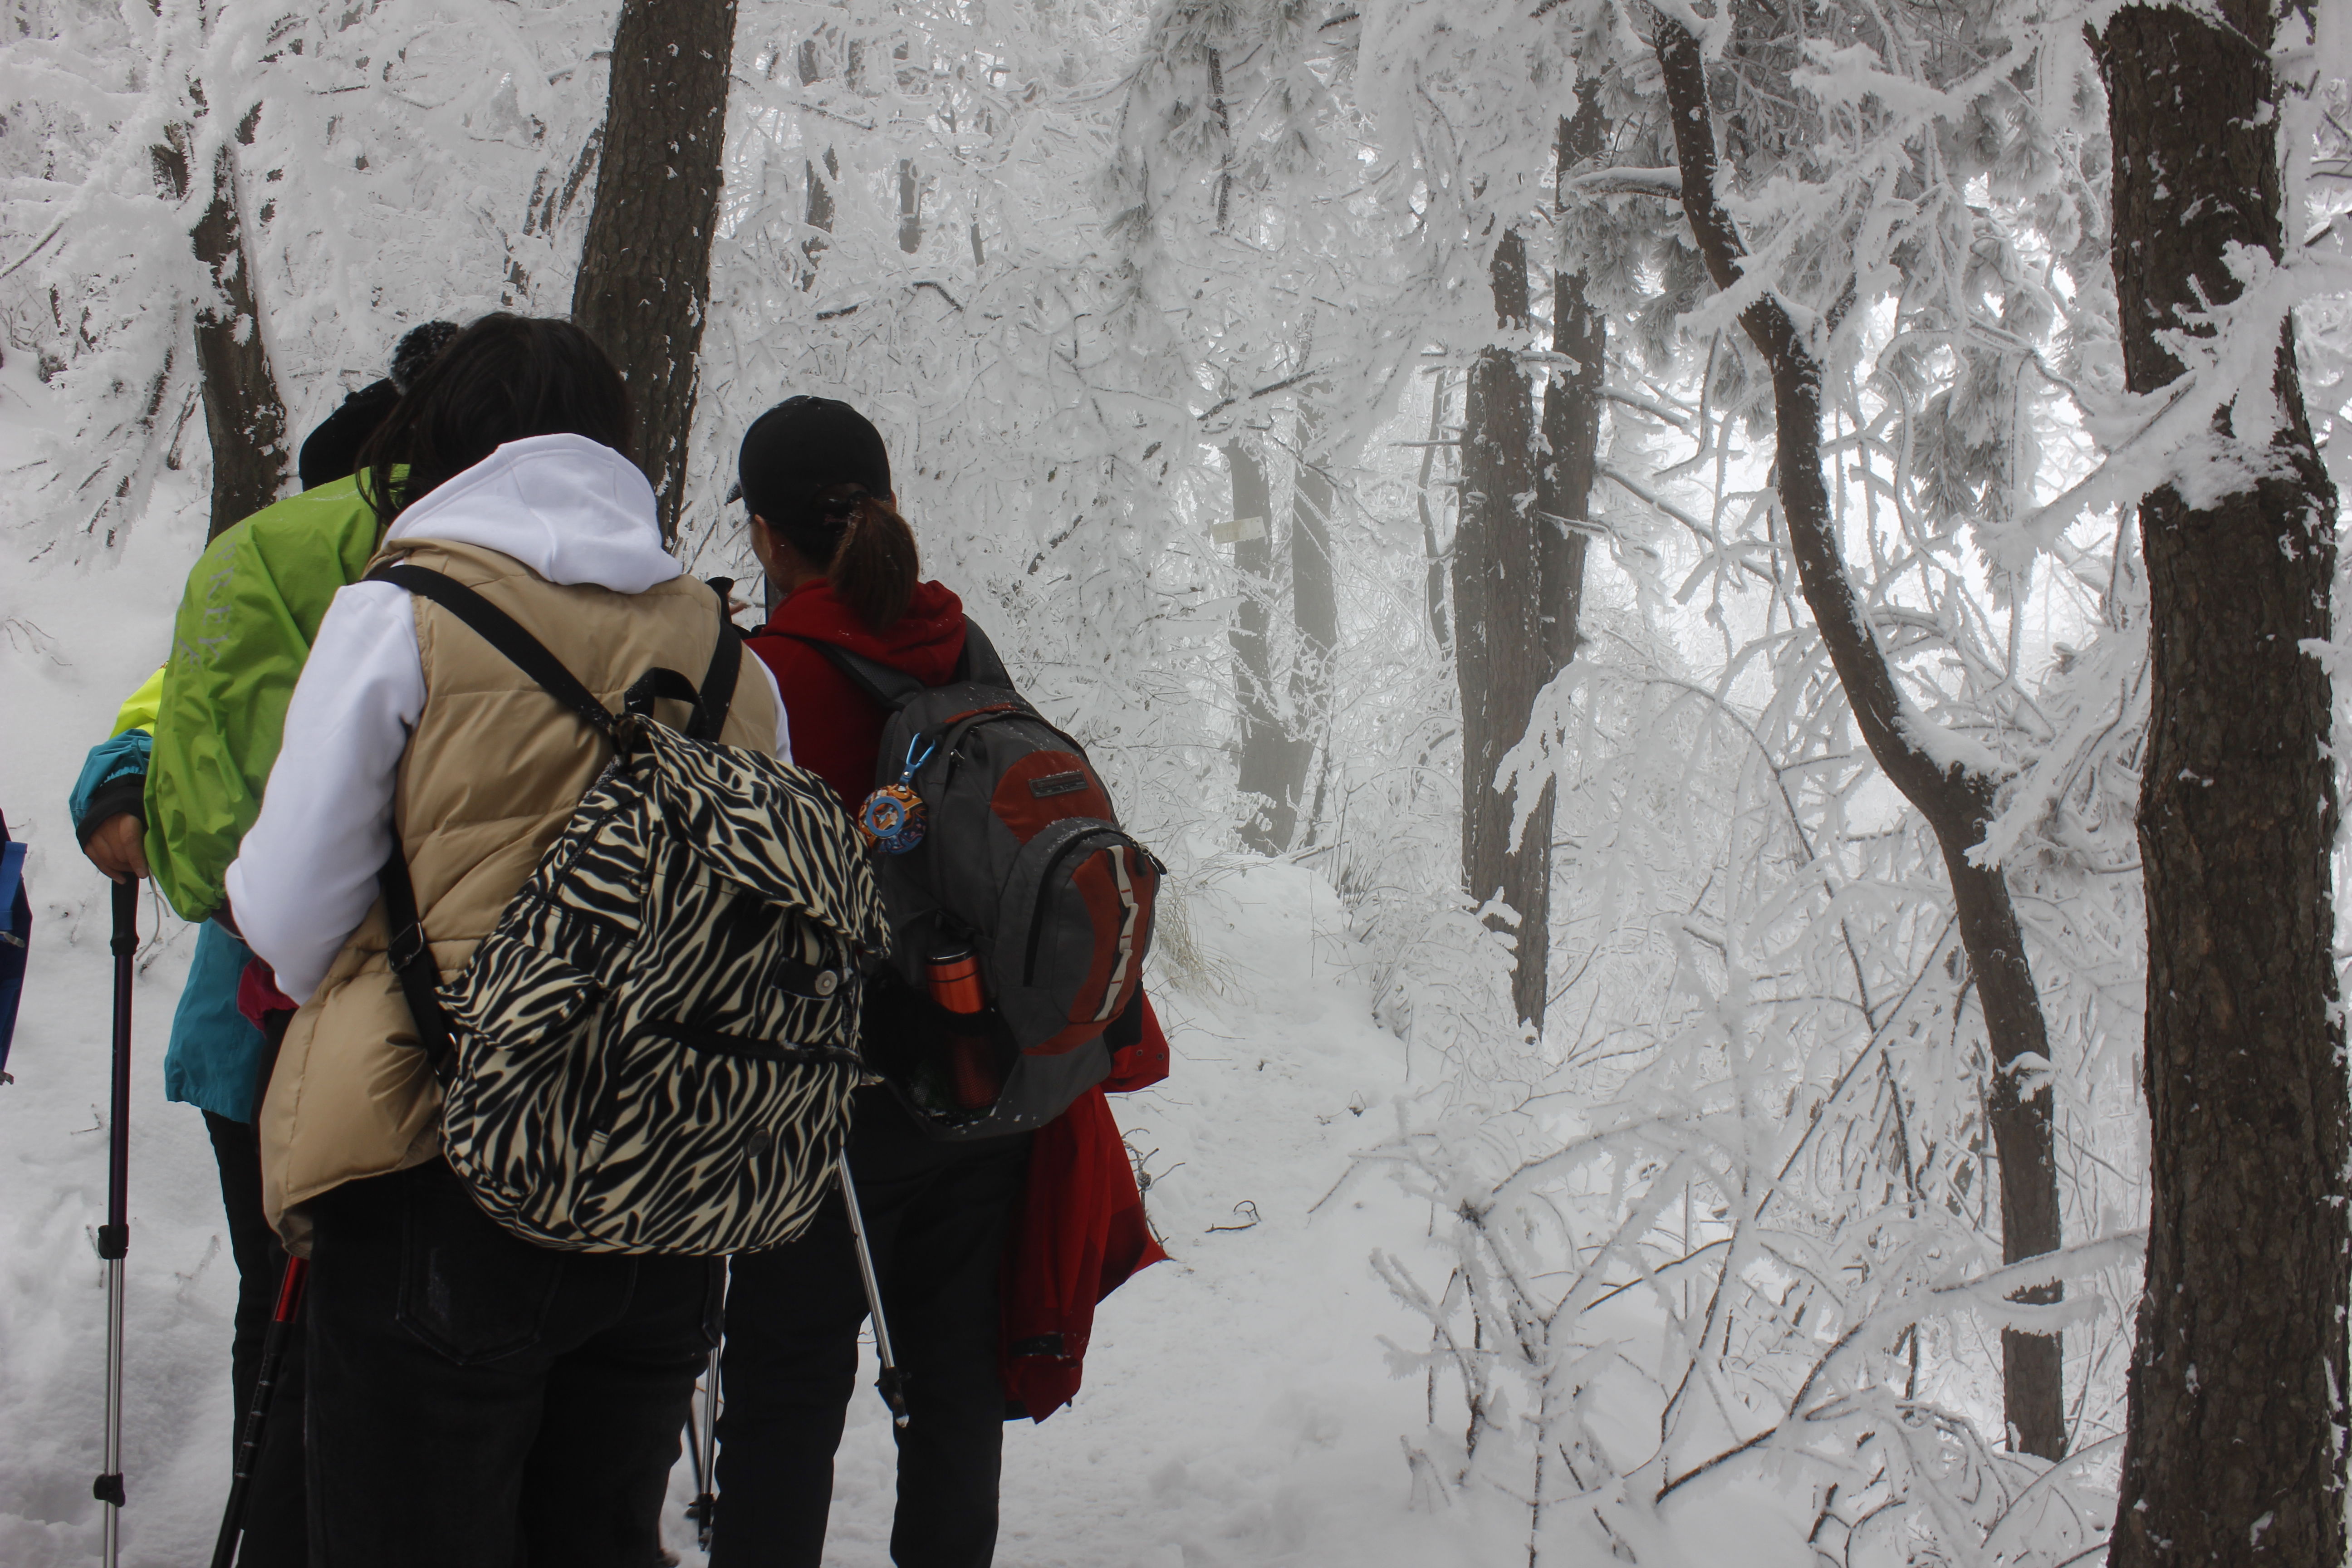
[{"x": 1238, "y": 1408}]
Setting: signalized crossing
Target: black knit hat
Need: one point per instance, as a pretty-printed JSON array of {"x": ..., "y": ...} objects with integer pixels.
[
  {"x": 802, "y": 450},
  {"x": 417, "y": 348},
  {"x": 331, "y": 451}
]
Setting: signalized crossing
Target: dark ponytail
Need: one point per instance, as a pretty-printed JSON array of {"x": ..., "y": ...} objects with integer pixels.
[{"x": 875, "y": 567}]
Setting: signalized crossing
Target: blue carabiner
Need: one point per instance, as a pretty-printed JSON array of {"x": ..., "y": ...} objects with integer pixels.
[{"x": 914, "y": 762}]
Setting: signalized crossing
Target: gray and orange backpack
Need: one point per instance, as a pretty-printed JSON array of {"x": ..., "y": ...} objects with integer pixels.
[{"x": 1020, "y": 910}]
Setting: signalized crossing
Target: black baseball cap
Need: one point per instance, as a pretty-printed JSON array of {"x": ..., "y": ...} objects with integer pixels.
[{"x": 797, "y": 451}]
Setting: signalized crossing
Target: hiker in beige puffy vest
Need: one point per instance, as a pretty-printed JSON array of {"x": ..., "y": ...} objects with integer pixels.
[{"x": 473, "y": 1398}]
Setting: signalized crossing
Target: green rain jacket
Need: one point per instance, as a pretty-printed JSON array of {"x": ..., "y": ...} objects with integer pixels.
[{"x": 252, "y": 606}]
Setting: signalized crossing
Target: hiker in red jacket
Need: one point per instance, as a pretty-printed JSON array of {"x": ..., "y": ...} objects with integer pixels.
[
  {"x": 981, "y": 1332},
  {"x": 990, "y": 1253},
  {"x": 816, "y": 480}
]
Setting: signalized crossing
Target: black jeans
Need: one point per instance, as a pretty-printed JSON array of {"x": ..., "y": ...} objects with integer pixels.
[
  {"x": 935, "y": 1214},
  {"x": 478, "y": 1402},
  {"x": 276, "y": 1533}
]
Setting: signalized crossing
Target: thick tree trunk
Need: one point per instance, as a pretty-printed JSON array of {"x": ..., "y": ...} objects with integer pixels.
[
  {"x": 2234, "y": 1447},
  {"x": 645, "y": 268},
  {"x": 1499, "y": 612},
  {"x": 1957, "y": 805},
  {"x": 1567, "y": 462},
  {"x": 244, "y": 416}
]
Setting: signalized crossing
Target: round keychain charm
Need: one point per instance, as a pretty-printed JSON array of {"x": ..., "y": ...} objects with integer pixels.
[{"x": 892, "y": 819}]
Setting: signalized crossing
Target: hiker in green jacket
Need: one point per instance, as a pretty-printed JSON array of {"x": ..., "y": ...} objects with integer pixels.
[
  {"x": 170, "y": 793},
  {"x": 253, "y": 603}
]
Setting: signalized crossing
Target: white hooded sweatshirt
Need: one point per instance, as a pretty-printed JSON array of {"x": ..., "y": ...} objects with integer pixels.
[{"x": 572, "y": 509}]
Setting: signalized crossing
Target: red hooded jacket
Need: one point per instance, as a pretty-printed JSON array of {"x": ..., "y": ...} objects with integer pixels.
[
  {"x": 835, "y": 728},
  {"x": 1079, "y": 1230}
]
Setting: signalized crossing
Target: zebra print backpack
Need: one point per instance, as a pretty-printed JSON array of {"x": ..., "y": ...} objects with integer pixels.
[{"x": 652, "y": 1051}]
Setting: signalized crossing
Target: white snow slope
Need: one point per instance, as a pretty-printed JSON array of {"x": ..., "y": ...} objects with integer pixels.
[{"x": 1238, "y": 1409}]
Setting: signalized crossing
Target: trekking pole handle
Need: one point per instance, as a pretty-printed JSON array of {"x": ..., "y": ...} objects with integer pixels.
[
  {"x": 114, "y": 1235},
  {"x": 126, "y": 919}
]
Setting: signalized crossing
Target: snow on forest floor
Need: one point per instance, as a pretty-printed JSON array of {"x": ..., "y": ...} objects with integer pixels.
[{"x": 1238, "y": 1407}]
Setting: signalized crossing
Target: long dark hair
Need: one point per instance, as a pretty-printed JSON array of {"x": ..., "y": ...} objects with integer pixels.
[{"x": 503, "y": 378}]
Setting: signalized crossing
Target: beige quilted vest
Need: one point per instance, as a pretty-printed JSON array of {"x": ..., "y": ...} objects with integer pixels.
[{"x": 490, "y": 775}]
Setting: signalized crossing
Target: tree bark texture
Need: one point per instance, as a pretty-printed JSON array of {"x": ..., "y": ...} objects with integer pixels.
[
  {"x": 1499, "y": 632},
  {"x": 1264, "y": 742},
  {"x": 244, "y": 416},
  {"x": 2234, "y": 1446},
  {"x": 1433, "y": 554},
  {"x": 910, "y": 207},
  {"x": 817, "y": 209},
  {"x": 645, "y": 268},
  {"x": 1571, "y": 412},
  {"x": 1957, "y": 805},
  {"x": 1315, "y": 618},
  {"x": 551, "y": 199}
]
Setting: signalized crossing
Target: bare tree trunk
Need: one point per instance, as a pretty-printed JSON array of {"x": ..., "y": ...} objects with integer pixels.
[
  {"x": 1315, "y": 616},
  {"x": 1572, "y": 412},
  {"x": 244, "y": 416},
  {"x": 645, "y": 268},
  {"x": 1567, "y": 457},
  {"x": 1263, "y": 737},
  {"x": 816, "y": 211},
  {"x": 2233, "y": 1446},
  {"x": 1432, "y": 588},
  {"x": 1498, "y": 613},
  {"x": 551, "y": 200},
  {"x": 1283, "y": 714},
  {"x": 910, "y": 209},
  {"x": 1957, "y": 804}
]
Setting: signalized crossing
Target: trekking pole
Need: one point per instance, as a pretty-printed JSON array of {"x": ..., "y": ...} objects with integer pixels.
[
  {"x": 702, "y": 1440},
  {"x": 257, "y": 1414},
  {"x": 890, "y": 1384},
  {"x": 114, "y": 1235}
]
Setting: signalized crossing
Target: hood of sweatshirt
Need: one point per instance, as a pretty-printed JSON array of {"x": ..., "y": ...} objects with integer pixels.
[
  {"x": 572, "y": 509},
  {"x": 924, "y": 642}
]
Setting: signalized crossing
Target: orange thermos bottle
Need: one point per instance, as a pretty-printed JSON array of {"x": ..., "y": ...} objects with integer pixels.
[{"x": 956, "y": 985}]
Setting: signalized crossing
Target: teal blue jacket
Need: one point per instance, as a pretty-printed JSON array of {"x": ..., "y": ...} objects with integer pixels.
[{"x": 215, "y": 1055}]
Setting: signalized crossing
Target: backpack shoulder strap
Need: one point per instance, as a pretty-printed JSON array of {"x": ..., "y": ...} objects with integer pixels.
[
  {"x": 716, "y": 695},
  {"x": 502, "y": 632},
  {"x": 894, "y": 689},
  {"x": 725, "y": 664},
  {"x": 411, "y": 954},
  {"x": 979, "y": 662}
]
